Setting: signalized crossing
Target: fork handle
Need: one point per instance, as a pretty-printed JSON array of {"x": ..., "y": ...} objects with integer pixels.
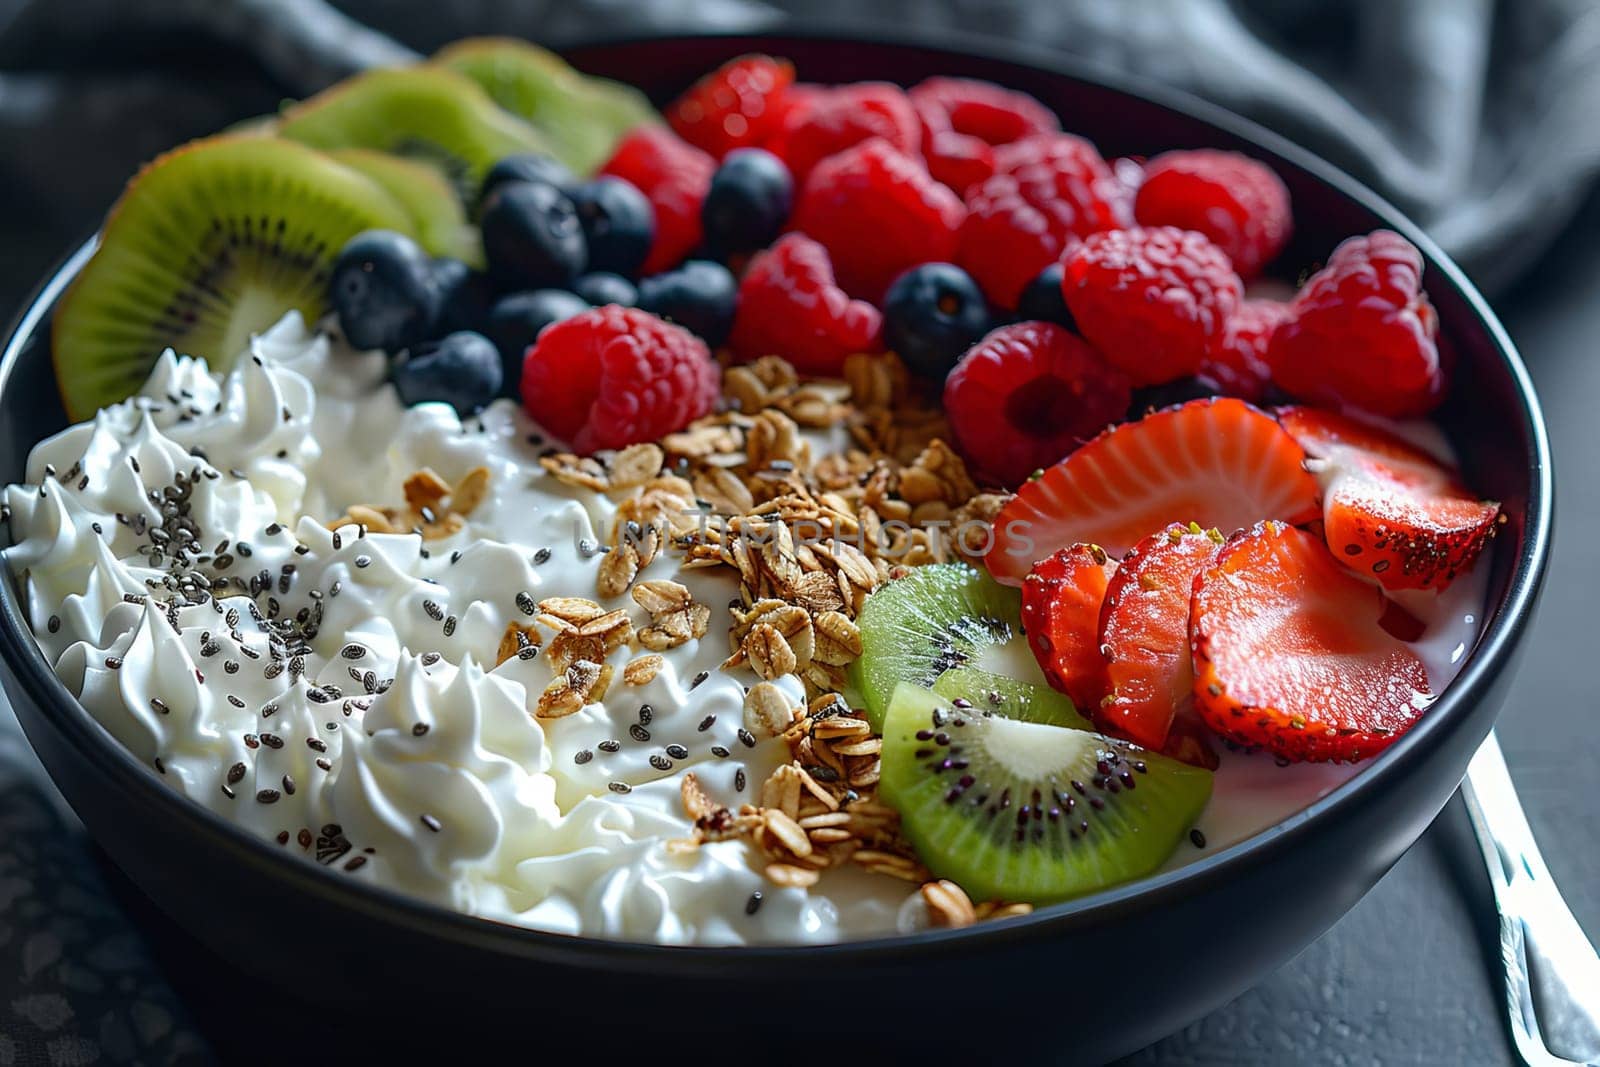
[{"x": 1552, "y": 974}]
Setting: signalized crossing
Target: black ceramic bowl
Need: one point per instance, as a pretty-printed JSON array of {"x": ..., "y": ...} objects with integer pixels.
[{"x": 1081, "y": 981}]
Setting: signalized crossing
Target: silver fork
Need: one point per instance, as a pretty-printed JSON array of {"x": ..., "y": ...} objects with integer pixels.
[{"x": 1552, "y": 973}]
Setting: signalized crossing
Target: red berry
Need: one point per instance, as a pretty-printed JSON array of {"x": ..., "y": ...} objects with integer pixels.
[
  {"x": 734, "y": 106},
  {"x": 1028, "y": 394},
  {"x": 789, "y": 306},
  {"x": 614, "y": 376},
  {"x": 1046, "y": 193},
  {"x": 957, "y": 160},
  {"x": 1144, "y": 634},
  {"x": 877, "y": 212},
  {"x": 1218, "y": 462},
  {"x": 1236, "y": 362},
  {"x": 1289, "y": 652},
  {"x": 825, "y": 120},
  {"x": 1361, "y": 333},
  {"x": 1389, "y": 509},
  {"x": 1061, "y": 601},
  {"x": 1238, "y": 202},
  {"x": 674, "y": 176},
  {"x": 1151, "y": 299},
  {"x": 983, "y": 110}
]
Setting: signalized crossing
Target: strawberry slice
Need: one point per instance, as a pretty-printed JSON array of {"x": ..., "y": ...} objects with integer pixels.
[
  {"x": 1144, "y": 633},
  {"x": 1289, "y": 654},
  {"x": 1218, "y": 462},
  {"x": 1390, "y": 509},
  {"x": 1061, "y": 600}
]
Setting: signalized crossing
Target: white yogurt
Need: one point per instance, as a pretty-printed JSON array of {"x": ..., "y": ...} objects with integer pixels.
[{"x": 351, "y": 709}]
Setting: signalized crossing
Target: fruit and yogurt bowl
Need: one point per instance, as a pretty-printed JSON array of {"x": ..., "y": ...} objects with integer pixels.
[{"x": 827, "y": 512}]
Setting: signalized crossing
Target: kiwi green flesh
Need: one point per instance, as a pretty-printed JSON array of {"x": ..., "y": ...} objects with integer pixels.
[
  {"x": 937, "y": 618},
  {"x": 1011, "y": 698},
  {"x": 437, "y": 215},
  {"x": 208, "y": 245},
  {"x": 427, "y": 114},
  {"x": 1022, "y": 811},
  {"x": 581, "y": 117}
]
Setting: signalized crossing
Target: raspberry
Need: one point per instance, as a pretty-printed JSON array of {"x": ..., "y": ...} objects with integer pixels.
[
  {"x": 1028, "y": 394},
  {"x": 877, "y": 211},
  {"x": 1236, "y": 362},
  {"x": 674, "y": 176},
  {"x": 956, "y": 160},
  {"x": 1362, "y": 333},
  {"x": 1236, "y": 201},
  {"x": 789, "y": 306},
  {"x": 1045, "y": 194},
  {"x": 1151, "y": 299},
  {"x": 615, "y": 376},
  {"x": 734, "y": 106},
  {"x": 827, "y": 120},
  {"x": 983, "y": 110}
]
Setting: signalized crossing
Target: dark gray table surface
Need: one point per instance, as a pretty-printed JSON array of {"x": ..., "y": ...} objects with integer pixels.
[{"x": 1410, "y": 975}]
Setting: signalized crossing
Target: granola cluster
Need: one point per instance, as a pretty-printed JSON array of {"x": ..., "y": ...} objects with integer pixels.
[
  {"x": 434, "y": 508},
  {"x": 809, "y": 537}
]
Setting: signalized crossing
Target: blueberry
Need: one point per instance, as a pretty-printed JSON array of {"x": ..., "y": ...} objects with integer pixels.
[
  {"x": 618, "y": 222},
  {"x": 1042, "y": 299},
  {"x": 531, "y": 236},
  {"x": 932, "y": 314},
  {"x": 699, "y": 296},
  {"x": 515, "y": 322},
  {"x": 382, "y": 288},
  {"x": 603, "y": 287},
  {"x": 461, "y": 369},
  {"x": 464, "y": 297},
  {"x": 748, "y": 202},
  {"x": 526, "y": 167}
]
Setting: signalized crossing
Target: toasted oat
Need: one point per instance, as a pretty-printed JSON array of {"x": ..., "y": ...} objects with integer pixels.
[
  {"x": 948, "y": 904},
  {"x": 767, "y": 712},
  {"x": 516, "y": 640},
  {"x": 662, "y": 596},
  {"x": 581, "y": 683},
  {"x": 635, "y": 465},
  {"x": 788, "y": 874},
  {"x": 433, "y": 508},
  {"x": 695, "y": 802},
  {"x": 581, "y": 472},
  {"x": 569, "y": 612},
  {"x": 642, "y": 670},
  {"x": 675, "y": 628}
]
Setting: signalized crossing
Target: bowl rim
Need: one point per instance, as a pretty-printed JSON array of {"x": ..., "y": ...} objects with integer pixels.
[{"x": 1489, "y": 655}]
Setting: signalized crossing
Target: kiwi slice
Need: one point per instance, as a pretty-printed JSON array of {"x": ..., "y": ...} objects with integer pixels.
[
  {"x": 938, "y": 617},
  {"x": 209, "y": 244},
  {"x": 581, "y": 117},
  {"x": 1024, "y": 811},
  {"x": 425, "y": 113},
  {"x": 1012, "y": 698},
  {"x": 437, "y": 217}
]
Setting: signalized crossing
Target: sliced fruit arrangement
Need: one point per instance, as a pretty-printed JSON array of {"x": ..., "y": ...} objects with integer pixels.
[
  {"x": 935, "y": 619},
  {"x": 1015, "y": 810},
  {"x": 1217, "y": 462},
  {"x": 211, "y": 243},
  {"x": 580, "y": 118},
  {"x": 1390, "y": 509},
  {"x": 1289, "y": 654}
]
